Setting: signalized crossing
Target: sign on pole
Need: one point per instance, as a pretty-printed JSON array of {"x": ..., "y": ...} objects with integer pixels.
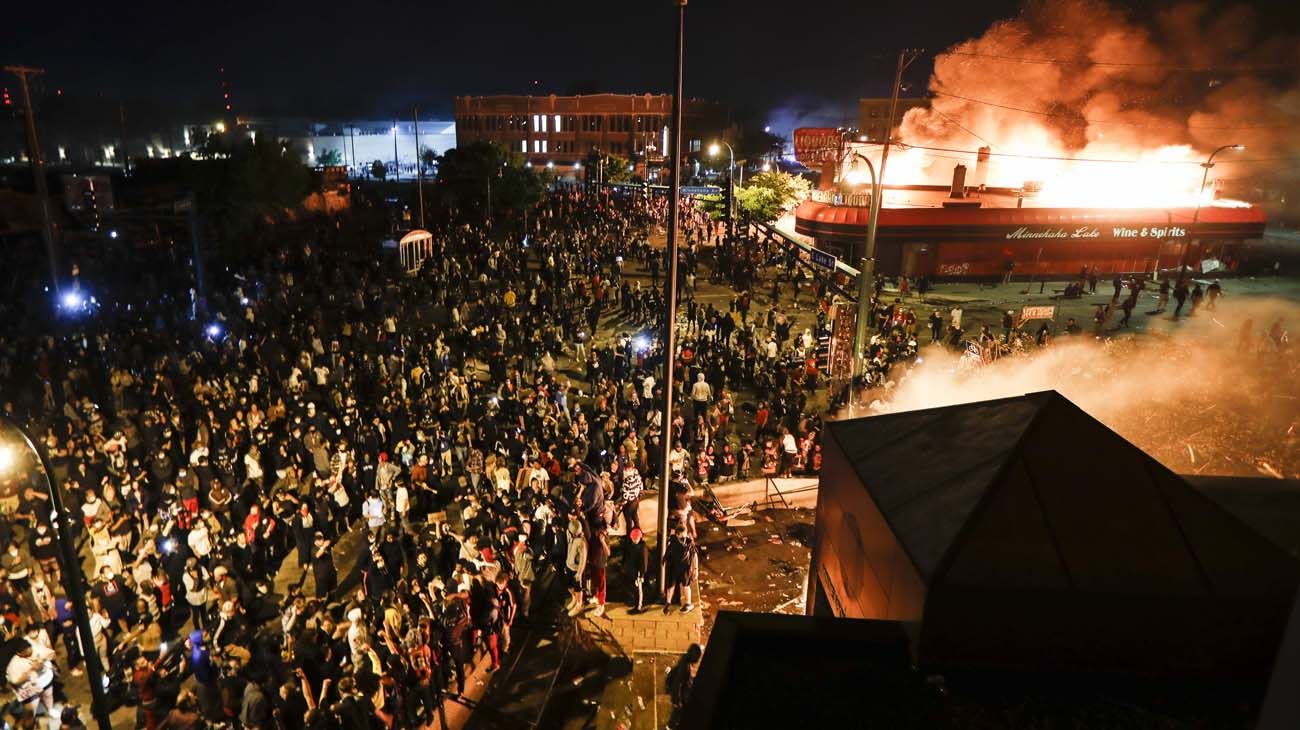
[{"x": 822, "y": 259}]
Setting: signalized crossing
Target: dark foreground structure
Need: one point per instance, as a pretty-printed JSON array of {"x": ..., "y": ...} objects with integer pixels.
[{"x": 1011, "y": 562}]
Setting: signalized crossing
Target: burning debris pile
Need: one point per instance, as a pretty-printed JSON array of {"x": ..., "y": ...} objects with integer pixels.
[
  {"x": 1206, "y": 400},
  {"x": 1087, "y": 104}
]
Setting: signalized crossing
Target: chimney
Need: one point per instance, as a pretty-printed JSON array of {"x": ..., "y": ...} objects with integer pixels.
[
  {"x": 958, "y": 182},
  {"x": 982, "y": 166}
]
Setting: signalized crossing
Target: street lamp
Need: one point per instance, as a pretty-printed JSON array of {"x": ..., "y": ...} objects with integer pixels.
[
  {"x": 714, "y": 150},
  {"x": 866, "y": 275},
  {"x": 72, "y": 580},
  {"x": 1196, "y": 214}
]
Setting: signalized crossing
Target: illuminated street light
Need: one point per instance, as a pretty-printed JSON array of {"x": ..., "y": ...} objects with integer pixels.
[
  {"x": 70, "y": 562},
  {"x": 1196, "y": 215},
  {"x": 221, "y": 127}
]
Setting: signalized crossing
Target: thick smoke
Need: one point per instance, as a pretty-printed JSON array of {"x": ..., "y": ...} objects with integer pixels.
[
  {"x": 1202, "y": 399},
  {"x": 1170, "y": 85}
]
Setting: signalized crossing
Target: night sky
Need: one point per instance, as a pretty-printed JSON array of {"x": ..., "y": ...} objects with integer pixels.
[
  {"x": 772, "y": 58},
  {"x": 360, "y": 58}
]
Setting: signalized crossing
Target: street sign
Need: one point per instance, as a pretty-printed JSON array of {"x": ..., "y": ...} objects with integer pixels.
[
  {"x": 822, "y": 259},
  {"x": 1028, "y": 313}
]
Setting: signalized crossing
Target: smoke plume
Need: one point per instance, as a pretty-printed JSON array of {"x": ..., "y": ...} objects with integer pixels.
[{"x": 1086, "y": 79}]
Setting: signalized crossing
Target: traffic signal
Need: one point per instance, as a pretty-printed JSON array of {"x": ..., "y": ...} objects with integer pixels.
[{"x": 7, "y": 100}]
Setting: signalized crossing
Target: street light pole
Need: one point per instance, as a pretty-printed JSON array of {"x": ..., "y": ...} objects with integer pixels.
[
  {"x": 865, "y": 281},
  {"x": 867, "y": 276},
  {"x": 397, "y": 166},
  {"x": 72, "y": 580},
  {"x": 670, "y": 297},
  {"x": 419, "y": 165},
  {"x": 1196, "y": 214},
  {"x": 731, "y": 191}
]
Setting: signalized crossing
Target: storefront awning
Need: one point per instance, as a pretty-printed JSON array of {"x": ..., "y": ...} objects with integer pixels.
[{"x": 936, "y": 225}]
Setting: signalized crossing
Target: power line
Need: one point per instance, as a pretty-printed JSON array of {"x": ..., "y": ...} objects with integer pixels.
[
  {"x": 1008, "y": 107},
  {"x": 1119, "y": 64}
]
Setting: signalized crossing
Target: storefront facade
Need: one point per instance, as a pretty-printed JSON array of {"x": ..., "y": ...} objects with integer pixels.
[{"x": 971, "y": 242}]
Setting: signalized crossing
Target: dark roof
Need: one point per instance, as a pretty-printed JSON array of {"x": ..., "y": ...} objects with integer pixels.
[
  {"x": 1271, "y": 506},
  {"x": 1090, "y": 511}
]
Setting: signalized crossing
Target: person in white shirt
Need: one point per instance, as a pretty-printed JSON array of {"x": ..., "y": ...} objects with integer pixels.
[
  {"x": 955, "y": 317},
  {"x": 199, "y": 540},
  {"x": 373, "y": 511},
  {"x": 648, "y": 387},
  {"x": 31, "y": 675},
  {"x": 789, "y": 448},
  {"x": 402, "y": 505}
]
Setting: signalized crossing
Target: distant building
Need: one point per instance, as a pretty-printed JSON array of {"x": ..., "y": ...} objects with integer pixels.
[
  {"x": 563, "y": 129},
  {"x": 873, "y": 116},
  {"x": 357, "y": 144}
]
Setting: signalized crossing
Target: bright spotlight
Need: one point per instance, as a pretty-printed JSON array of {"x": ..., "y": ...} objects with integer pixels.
[
  {"x": 6, "y": 458},
  {"x": 213, "y": 330},
  {"x": 641, "y": 343},
  {"x": 72, "y": 299},
  {"x": 169, "y": 546},
  {"x": 549, "y": 164},
  {"x": 714, "y": 149},
  {"x": 112, "y": 234}
]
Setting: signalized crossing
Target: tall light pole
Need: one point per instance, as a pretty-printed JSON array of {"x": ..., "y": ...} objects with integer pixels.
[
  {"x": 397, "y": 166},
  {"x": 72, "y": 580},
  {"x": 1196, "y": 214},
  {"x": 419, "y": 165},
  {"x": 867, "y": 277},
  {"x": 864, "y": 281},
  {"x": 670, "y": 296},
  {"x": 38, "y": 169},
  {"x": 731, "y": 188}
]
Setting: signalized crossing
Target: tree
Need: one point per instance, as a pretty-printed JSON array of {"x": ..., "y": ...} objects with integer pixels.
[
  {"x": 610, "y": 168},
  {"x": 240, "y": 183},
  {"x": 378, "y": 170},
  {"x": 769, "y": 195},
  {"x": 428, "y": 157},
  {"x": 467, "y": 174},
  {"x": 330, "y": 158}
]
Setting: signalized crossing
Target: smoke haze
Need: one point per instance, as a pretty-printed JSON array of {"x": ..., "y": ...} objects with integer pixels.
[
  {"x": 1199, "y": 400},
  {"x": 1100, "y": 82}
]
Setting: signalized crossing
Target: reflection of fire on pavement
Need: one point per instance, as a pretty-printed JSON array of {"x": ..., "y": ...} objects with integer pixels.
[{"x": 760, "y": 567}]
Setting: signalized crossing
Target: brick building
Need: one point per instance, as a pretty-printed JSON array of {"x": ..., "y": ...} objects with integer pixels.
[
  {"x": 563, "y": 129},
  {"x": 873, "y": 115}
]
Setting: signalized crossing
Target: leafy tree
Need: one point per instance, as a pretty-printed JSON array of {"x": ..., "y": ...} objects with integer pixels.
[
  {"x": 428, "y": 157},
  {"x": 241, "y": 183},
  {"x": 615, "y": 168},
  {"x": 330, "y": 158},
  {"x": 378, "y": 170},
  {"x": 467, "y": 174},
  {"x": 767, "y": 197}
]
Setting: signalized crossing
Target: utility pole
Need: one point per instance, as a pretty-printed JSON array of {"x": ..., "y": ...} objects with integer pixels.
[
  {"x": 670, "y": 297},
  {"x": 419, "y": 165},
  {"x": 867, "y": 278},
  {"x": 38, "y": 170}
]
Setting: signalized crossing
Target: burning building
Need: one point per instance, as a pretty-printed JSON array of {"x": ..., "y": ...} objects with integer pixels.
[{"x": 1050, "y": 149}]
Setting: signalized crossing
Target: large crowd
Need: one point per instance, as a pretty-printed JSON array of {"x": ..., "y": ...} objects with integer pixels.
[{"x": 318, "y": 500}]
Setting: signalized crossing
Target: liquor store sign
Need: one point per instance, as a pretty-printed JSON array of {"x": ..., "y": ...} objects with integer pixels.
[{"x": 1117, "y": 233}]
